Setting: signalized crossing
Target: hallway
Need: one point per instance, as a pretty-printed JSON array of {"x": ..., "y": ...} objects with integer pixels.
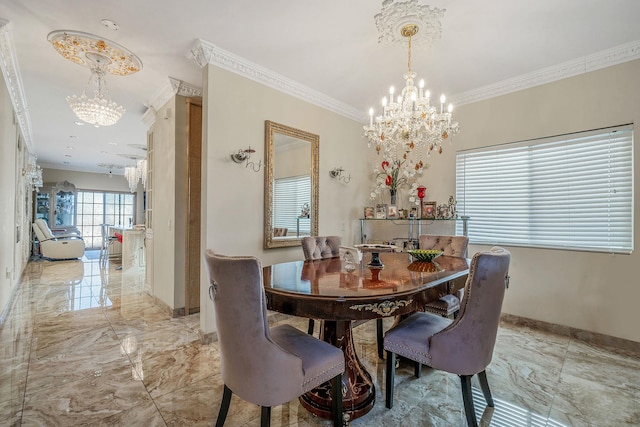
[{"x": 83, "y": 345}]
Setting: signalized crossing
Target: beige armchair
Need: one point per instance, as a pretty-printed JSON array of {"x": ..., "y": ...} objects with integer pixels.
[
  {"x": 52, "y": 246},
  {"x": 63, "y": 231}
]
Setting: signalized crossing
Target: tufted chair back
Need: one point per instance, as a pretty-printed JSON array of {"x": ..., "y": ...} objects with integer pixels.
[
  {"x": 450, "y": 245},
  {"x": 318, "y": 247}
]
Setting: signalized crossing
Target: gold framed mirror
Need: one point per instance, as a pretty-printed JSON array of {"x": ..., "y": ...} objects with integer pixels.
[{"x": 290, "y": 185}]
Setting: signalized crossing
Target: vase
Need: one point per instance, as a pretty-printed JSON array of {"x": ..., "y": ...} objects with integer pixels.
[{"x": 393, "y": 196}]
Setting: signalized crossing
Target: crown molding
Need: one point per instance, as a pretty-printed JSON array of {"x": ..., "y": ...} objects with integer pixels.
[
  {"x": 603, "y": 59},
  {"x": 149, "y": 117},
  {"x": 185, "y": 89},
  {"x": 171, "y": 88},
  {"x": 162, "y": 96},
  {"x": 204, "y": 53},
  {"x": 13, "y": 80}
]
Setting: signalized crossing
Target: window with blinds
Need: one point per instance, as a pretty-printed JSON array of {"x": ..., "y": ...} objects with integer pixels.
[
  {"x": 572, "y": 191},
  {"x": 289, "y": 196}
]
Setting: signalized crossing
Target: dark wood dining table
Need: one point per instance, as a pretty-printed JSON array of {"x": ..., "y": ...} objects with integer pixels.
[{"x": 325, "y": 289}]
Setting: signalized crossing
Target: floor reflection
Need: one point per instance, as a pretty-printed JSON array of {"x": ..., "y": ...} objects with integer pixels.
[{"x": 84, "y": 345}]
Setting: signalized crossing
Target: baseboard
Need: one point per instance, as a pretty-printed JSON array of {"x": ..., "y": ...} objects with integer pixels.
[
  {"x": 620, "y": 344},
  {"x": 208, "y": 338},
  {"x": 163, "y": 306}
]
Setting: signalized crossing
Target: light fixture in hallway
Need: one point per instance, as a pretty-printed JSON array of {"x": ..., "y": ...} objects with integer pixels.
[
  {"x": 102, "y": 56},
  {"x": 133, "y": 174}
]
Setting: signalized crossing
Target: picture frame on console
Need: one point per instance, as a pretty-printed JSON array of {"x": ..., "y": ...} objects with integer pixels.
[
  {"x": 381, "y": 211},
  {"x": 428, "y": 210},
  {"x": 392, "y": 212},
  {"x": 369, "y": 212}
]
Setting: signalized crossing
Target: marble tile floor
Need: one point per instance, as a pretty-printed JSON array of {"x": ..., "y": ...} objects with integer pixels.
[{"x": 82, "y": 345}]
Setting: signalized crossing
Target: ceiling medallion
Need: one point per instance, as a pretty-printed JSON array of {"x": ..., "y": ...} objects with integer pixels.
[
  {"x": 83, "y": 48},
  {"x": 395, "y": 16},
  {"x": 101, "y": 56},
  {"x": 110, "y": 166}
]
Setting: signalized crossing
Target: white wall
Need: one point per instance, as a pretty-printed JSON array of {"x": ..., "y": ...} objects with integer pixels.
[
  {"x": 235, "y": 109},
  {"x": 590, "y": 291},
  {"x": 15, "y": 226},
  {"x": 164, "y": 204}
]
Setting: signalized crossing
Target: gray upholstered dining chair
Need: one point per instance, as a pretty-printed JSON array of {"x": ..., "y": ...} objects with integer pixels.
[
  {"x": 320, "y": 247},
  {"x": 264, "y": 366},
  {"x": 464, "y": 345},
  {"x": 452, "y": 246}
]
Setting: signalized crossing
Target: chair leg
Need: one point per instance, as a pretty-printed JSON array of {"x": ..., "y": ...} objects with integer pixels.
[
  {"x": 336, "y": 400},
  {"x": 265, "y": 416},
  {"x": 311, "y": 326},
  {"x": 467, "y": 399},
  {"x": 380, "y": 338},
  {"x": 390, "y": 378},
  {"x": 484, "y": 384},
  {"x": 224, "y": 406},
  {"x": 417, "y": 369}
]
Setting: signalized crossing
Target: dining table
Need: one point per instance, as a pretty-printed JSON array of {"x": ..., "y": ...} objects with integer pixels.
[{"x": 342, "y": 293}]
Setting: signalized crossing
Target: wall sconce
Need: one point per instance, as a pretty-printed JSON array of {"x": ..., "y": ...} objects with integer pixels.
[
  {"x": 336, "y": 173},
  {"x": 244, "y": 156}
]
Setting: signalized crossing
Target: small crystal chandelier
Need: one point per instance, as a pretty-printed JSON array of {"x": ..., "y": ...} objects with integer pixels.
[
  {"x": 133, "y": 174},
  {"x": 409, "y": 122},
  {"x": 98, "y": 110},
  {"x": 101, "y": 56}
]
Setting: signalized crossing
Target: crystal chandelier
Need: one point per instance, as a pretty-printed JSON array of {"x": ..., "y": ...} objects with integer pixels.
[
  {"x": 410, "y": 121},
  {"x": 133, "y": 174},
  {"x": 101, "y": 56},
  {"x": 98, "y": 110}
]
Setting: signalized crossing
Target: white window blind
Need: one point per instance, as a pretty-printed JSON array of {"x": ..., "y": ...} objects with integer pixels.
[
  {"x": 289, "y": 195},
  {"x": 570, "y": 192}
]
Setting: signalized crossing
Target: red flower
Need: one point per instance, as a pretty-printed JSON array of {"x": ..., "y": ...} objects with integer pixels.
[
  {"x": 385, "y": 165},
  {"x": 389, "y": 180}
]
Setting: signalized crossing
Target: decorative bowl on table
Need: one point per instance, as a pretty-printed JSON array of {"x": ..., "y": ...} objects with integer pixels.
[
  {"x": 425, "y": 267},
  {"x": 425, "y": 255}
]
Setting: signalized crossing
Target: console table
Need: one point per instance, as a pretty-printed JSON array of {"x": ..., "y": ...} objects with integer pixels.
[{"x": 414, "y": 225}]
